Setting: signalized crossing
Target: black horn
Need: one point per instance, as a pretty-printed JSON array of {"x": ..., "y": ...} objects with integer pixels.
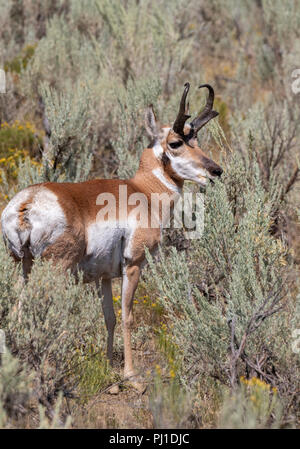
[
  {"x": 207, "y": 113},
  {"x": 182, "y": 116}
]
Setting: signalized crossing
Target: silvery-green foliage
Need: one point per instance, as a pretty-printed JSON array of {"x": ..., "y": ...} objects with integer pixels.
[
  {"x": 283, "y": 21},
  {"x": 131, "y": 141},
  {"x": 274, "y": 134},
  {"x": 28, "y": 174},
  {"x": 15, "y": 389},
  {"x": 151, "y": 38},
  {"x": 16, "y": 392},
  {"x": 61, "y": 56},
  {"x": 101, "y": 63},
  {"x": 233, "y": 284},
  {"x": 153, "y": 52},
  {"x": 8, "y": 271},
  {"x": 23, "y": 22},
  {"x": 170, "y": 405},
  {"x": 4, "y": 19},
  {"x": 262, "y": 410},
  {"x": 68, "y": 156},
  {"x": 55, "y": 421},
  {"x": 201, "y": 324},
  {"x": 45, "y": 321}
]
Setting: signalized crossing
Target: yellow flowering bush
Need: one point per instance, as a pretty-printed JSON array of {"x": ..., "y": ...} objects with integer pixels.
[
  {"x": 254, "y": 404},
  {"x": 22, "y": 136},
  {"x": 19, "y": 62},
  {"x": 9, "y": 164},
  {"x": 170, "y": 350},
  {"x": 18, "y": 142},
  {"x": 260, "y": 393}
]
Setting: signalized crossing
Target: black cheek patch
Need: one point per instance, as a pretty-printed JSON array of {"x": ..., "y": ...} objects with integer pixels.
[{"x": 164, "y": 159}]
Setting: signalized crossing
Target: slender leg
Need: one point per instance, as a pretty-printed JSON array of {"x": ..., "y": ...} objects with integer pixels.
[
  {"x": 130, "y": 281},
  {"x": 109, "y": 315},
  {"x": 110, "y": 321},
  {"x": 26, "y": 269}
]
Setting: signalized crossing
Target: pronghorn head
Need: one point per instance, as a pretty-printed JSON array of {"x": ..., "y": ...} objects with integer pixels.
[{"x": 177, "y": 146}]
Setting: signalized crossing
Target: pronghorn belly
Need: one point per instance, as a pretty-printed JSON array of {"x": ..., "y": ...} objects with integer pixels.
[
  {"x": 103, "y": 253},
  {"x": 33, "y": 218}
]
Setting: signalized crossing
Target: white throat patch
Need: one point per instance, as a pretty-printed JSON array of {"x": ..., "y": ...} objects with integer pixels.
[
  {"x": 159, "y": 174},
  {"x": 158, "y": 150}
]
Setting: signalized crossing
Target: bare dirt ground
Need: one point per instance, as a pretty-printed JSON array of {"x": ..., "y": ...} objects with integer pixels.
[{"x": 126, "y": 410}]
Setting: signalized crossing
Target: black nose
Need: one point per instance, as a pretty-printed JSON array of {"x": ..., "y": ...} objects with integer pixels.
[{"x": 216, "y": 171}]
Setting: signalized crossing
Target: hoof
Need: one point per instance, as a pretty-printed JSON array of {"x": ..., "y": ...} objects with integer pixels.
[
  {"x": 138, "y": 386},
  {"x": 135, "y": 381},
  {"x": 114, "y": 389}
]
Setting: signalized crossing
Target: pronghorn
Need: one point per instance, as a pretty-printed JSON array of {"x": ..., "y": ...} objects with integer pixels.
[{"x": 60, "y": 221}]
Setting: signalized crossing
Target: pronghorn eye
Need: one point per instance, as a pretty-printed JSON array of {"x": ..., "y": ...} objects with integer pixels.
[{"x": 176, "y": 144}]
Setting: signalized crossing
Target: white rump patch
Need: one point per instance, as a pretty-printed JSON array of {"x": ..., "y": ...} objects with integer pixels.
[
  {"x": 13, "y": 236},
  {"x": 45, "y": 221}
]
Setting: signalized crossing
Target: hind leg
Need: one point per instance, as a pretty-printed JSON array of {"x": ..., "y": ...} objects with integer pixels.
[
  {"x": 27, "y": 261},
  {"x": 110, "y": 320},
  {"x": 109, "y": 315}
]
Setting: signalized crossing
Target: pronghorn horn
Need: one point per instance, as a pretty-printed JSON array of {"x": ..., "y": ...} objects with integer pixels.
[
  {"x": 207, "y": 113},
  {"x": 182, "y": 116}
]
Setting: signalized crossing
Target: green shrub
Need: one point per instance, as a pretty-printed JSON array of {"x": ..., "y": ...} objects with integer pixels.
[
  {"x": 252, "y": 406},
  {"x": 19, "y": 63},
  {"x": 97, "y": 65},
  {"x": 232, "y": 305},
  {"x": 15, "y": 390},
  {"x": 92, "y": 371},
  {"x": 45, "y": 326},
  {"x": 169, "y": 403},
  {"x": 18, "y": 136},
  {"x": 68, "y": 156}
]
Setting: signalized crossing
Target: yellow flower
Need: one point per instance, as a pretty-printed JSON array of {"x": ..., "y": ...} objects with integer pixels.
[
  {"x": 153, "y": 304},
  {"x": 282, "y": 261},
  {"x": 172, "y": 373}
]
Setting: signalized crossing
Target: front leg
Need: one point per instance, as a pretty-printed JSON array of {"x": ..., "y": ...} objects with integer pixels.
[
  {"x": 131, "y": 274},
  {"x": 134, "y": 257}
]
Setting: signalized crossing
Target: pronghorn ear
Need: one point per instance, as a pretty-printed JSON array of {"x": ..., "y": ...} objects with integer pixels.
[{"x": 151, "y": 123}]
